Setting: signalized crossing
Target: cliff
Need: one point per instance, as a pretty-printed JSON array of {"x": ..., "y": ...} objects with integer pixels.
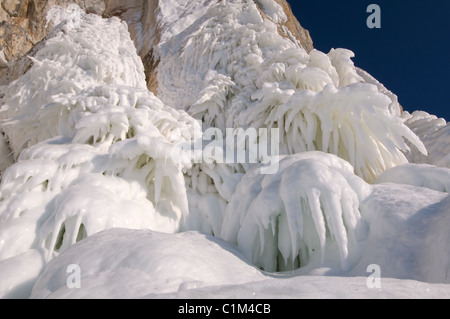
[{"x": 23, "y": 24}]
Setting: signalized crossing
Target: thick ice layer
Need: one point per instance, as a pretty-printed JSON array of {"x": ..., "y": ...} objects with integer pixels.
[
  {"x": 359, "y": 130},
  {"x": 94, "y": 151},
  {"x": 435, "y": 134},
  {"x": 231, "y": 69},
  {"x": 175, "y": 16},
  {"x": 97, "y": 52},
  {"x": 124, "y": 263},
  {"x": 113, "y": 169},
  {"x": 273, "y": 10},
  {"x": 289, "y": 219},
  {"x": 95, "y": 158}
]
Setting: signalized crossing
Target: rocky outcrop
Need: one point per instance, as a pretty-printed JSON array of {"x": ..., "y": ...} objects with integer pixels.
[
  {"x": 141, "y": 17},
  {"x": 23, "y": 23},
  {"x": 291, "y": 28}
]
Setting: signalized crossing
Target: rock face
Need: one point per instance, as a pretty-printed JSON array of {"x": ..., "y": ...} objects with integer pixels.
[
  {"x": 23, "y": 23},
  {"x": 142, "y": 20},
  {"x": 145, "y": 26},
  {"x": 291, "y": 27}
]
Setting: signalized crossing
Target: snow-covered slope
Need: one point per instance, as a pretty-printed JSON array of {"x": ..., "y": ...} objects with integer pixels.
[
  {"x": 155, "y": 262},
  {"x": 99, "y": 181},
  {"x": 435, "y": 133}
]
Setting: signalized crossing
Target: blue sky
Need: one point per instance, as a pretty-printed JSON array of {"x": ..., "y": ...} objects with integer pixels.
[{"x": 409, "y": 54}]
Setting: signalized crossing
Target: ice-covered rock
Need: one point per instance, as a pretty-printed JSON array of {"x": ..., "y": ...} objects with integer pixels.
[
  {"x": 290, "y": 219},
  {"x": 95, "y": 151},
  {"x": 435, "y": 134}
]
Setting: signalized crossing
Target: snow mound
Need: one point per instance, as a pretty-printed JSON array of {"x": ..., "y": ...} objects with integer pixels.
[
  {"x": 289, "y": 219},
  {"x": 437, "y": 269},
  {"x": 125, "y": 263},
  {"x": 420, "y": 175},
  {"x": 409, "y": 234},
  {"x": 97, "y": 52},
  {"x": 435, "y": 134},
  {"x": 19, "y": 275}
]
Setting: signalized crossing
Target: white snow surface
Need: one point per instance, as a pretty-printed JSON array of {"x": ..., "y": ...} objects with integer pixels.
[
  {"x": 420, "y": 175},
  {"x": 95, "y": 183},
  {"x": 435, "y": 134},
  {"x": 155, "y": 263}
]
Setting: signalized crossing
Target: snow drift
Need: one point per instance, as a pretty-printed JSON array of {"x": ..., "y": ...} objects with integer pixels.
[{"x": 157, "y": 263}]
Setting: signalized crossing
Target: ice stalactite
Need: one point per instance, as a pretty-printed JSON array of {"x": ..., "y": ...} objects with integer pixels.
[
  {"x": 289, "y": 219},
  {"x": 235, "y": 70},
  {"x": 67, "y": 64},
  {"x": 434, "y": 132},
  {"x": 93, "y": 146}
]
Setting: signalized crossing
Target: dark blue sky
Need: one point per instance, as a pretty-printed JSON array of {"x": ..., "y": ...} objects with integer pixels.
[{"x": 410, "y": 54}]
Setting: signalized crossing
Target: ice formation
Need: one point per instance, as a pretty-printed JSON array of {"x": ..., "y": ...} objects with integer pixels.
[
  {"x": 98, "y": 152},
  {"x": 67, "y": 64},
  {"x": 232, "y": 69},
  {"x": 93, "y": 151},
  {"x": 290, "y": 218},
  {"x": 435, "y": 133}
]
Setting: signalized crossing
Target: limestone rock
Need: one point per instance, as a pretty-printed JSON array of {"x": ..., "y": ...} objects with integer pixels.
[
  {"x": 145, "y": 29},
  {"x": 23, "y": 23},
  {"x": 292, "y": 28},
  {"x": 142, "y": 20}
]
